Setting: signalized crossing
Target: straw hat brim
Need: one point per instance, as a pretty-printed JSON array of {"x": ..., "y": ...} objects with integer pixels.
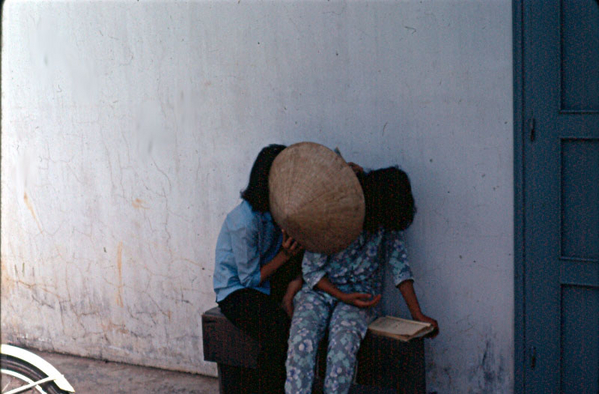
[{"x": 316, "y": 197}]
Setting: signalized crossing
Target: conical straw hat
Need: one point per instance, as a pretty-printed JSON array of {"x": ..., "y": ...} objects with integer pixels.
[{"x": 316, "y": 197}]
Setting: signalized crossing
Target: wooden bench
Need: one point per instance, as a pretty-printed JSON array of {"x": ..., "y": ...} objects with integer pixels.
[{"x": 384, "y": 364}]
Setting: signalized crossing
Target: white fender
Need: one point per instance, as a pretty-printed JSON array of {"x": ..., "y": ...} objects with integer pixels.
[{"x": 39, "y": 363}]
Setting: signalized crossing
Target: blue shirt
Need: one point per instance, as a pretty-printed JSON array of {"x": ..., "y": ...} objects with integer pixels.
[
  {"x": 248, "y": 239},
  {"x": 360, "y": 266}
]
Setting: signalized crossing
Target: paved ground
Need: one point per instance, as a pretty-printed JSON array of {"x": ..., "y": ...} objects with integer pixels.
[{"x": 89, "y": 376}]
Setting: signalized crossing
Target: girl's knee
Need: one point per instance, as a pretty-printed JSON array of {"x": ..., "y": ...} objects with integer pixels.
[
  {"x": 348, "y": 329},
  {"x": 344, "y": 342}
]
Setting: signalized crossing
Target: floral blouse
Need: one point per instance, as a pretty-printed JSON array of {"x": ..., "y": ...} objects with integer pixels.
[{"x": 360, "y": 267}]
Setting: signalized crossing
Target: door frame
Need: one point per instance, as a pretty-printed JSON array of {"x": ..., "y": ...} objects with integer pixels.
[{"x": 519, "y": 184}]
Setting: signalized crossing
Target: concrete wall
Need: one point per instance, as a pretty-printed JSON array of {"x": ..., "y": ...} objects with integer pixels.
[{"x": 128, "y": 129}]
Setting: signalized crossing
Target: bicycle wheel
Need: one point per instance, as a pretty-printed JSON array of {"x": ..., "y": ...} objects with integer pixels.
[{"x": 18, "y": 376}]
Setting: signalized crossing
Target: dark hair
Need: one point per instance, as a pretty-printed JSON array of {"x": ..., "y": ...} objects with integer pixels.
[
  {"x": 256, "y": 193},
  {"x": 388, "y": 198}
]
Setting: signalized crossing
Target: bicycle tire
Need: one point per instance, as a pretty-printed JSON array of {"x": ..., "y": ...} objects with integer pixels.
[{"x": 27, "y": 370}]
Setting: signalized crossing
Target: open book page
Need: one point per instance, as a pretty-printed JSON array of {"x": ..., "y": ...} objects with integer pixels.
[{"x": 399, "y": 328}]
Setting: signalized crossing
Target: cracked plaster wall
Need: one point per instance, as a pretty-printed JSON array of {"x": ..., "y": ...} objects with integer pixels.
[{"x": 128, "y": 129}]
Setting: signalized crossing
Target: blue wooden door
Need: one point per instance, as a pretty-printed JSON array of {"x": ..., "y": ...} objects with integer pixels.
[{"x": 560, "y": 196}]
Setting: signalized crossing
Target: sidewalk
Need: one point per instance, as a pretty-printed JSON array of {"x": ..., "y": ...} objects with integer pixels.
[{"x": 88, "y": 376}]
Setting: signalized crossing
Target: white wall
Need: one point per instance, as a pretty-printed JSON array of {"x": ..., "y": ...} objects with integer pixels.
[{"x": 128, "y": 129}]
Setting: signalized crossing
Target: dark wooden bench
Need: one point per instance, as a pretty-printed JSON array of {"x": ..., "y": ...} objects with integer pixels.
[{"x": 384, "y": 364}]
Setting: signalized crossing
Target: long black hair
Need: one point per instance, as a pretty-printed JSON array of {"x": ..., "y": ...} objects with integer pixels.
[
  {"x": 256, "y": 192},
  {"x": 388, "y": 198}
]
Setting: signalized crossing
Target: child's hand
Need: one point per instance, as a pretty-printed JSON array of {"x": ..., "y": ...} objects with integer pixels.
[
  {"x": 424, "y": 318},
  {"x": 357, "y": 169},
  {"x": 361, "y": 300},
  {"x": 290, "y": 246}
]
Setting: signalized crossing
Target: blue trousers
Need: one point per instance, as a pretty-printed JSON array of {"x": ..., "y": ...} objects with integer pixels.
[{"x": 314, "y": 313}]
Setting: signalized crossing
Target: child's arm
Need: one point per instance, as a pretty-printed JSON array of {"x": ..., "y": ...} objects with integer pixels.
[
  {"x": 289, "y": 248},
  {"x": 406, "y": 289},
  {"x": 361, "y": 300},
  {"x": 292, "y": 289},
  {"x": 397, "y": 257},
  {"x": 314, "y": 272}
]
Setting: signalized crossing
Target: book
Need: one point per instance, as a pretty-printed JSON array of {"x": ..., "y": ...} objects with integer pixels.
[{"x": 398, "y": 328}]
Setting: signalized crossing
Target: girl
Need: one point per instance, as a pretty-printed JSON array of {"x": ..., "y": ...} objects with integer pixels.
[
  {"x": 341, "y": 290},
  {"x": 253, "y": 274}
]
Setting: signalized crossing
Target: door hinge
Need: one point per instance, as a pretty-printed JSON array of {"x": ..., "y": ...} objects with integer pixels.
[
  {"x": 532, "y": 129},
  {"x": 533, "y": 357}
]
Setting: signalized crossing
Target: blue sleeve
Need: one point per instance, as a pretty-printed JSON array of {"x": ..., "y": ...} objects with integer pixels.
[
  {"x": 244, "y": 242},
  {"x": 313, "y": 268},
  {"x": 397, "y": 257}
]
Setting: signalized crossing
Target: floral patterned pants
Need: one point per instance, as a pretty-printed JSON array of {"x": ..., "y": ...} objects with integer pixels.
[{"x": 314, "y": 312}]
